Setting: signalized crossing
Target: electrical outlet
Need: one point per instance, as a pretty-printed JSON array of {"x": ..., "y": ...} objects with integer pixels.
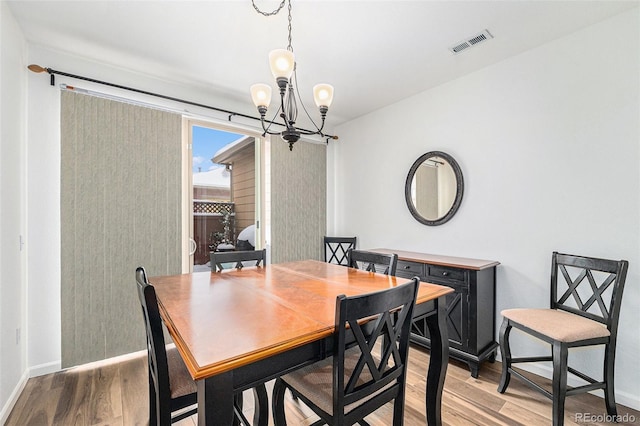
[{"x": 18, "y": 336}]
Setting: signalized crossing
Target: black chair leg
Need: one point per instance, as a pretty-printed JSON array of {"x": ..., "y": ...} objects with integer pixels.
[
  {"x": 505, "y": 350},
  {"x": 609, "y": 373},
  {"x": 261, "y": 412},
  {"x": 560, "y": 354},
  {"x": 398, "y": 410},
  {"x": 237, "y": 404},
  {"x": 153, "y": 413},
  {"x": 279, "y": 389}
]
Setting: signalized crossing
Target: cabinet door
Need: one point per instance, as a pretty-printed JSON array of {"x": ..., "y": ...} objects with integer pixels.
[
  {"x": 457, "y": 303},
  {"x": 457, "y": 318}
]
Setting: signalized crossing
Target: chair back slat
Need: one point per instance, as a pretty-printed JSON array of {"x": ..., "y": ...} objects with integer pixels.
[
  {"x": 380, "y": 319},
  {"x": 589, "y": 287},
  {"x": 156, "y": 353},
  {"x": 238, "y": 258},
  {"x": 335, "y": 249},
  {"x": 373, "y": 262}
]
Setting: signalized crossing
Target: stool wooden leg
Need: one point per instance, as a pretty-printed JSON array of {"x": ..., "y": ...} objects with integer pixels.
[
  {"x": 609, "y": 373},
  {"x": 560, "y": 354},
  {"x": 505, "y": 350}
]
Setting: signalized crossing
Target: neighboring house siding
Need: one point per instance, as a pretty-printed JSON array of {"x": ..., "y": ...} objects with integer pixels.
[{"x": 243, "y": 178}]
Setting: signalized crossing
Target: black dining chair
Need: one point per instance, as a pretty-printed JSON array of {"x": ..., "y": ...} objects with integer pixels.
[
  {"x": 586, "y": 295},
  {"x": 346, "y": 387},
  {"x": 255, "y": 257},
  {"x": 335, "y": 249},
  {"x": 171, "y": 388},
  {"x": 372, "y": 261}
]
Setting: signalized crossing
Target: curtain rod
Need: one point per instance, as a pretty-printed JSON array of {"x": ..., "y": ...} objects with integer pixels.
[{"x": 38, "y": 69}]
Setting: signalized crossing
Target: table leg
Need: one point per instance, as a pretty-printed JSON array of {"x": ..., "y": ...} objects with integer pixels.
[
  {"x": 438, "y": 359},
  {"x": 215, "y": 400}
]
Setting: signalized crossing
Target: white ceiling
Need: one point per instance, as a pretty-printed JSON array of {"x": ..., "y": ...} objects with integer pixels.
[{"x": 375, "y": 53}]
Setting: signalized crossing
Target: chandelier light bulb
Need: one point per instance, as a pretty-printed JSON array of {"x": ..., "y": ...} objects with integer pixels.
[
  {"x": 261, "y": 95},
  {"x": 323, "y": 95},
  {"x": 281, "y": 62}
]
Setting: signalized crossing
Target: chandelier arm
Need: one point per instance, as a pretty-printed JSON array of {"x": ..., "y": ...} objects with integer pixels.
[
  {"x": 271, "y": 122},
  {"x": 319, "y": 129},
  {"x": 307, "y": 132},
  {"x": 266, "y": 130},
  {"x": 285, "y": 125}
]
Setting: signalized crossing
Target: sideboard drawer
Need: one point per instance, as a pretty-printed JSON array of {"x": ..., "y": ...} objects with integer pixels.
[
  {"x": 410, "y": 268},
  {"x": 443, "y": 272}
]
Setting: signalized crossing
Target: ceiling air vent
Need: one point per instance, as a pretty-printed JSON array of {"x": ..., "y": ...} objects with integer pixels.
[{"x": 471, "y": 41}]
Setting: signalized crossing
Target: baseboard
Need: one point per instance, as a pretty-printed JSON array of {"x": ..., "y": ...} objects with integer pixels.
[
  {"x": 13, "y": 398},
  {"x": 628, "y": 400},
  {"x": 42, "y": 369},
  {"x": 544, "y": 370}
]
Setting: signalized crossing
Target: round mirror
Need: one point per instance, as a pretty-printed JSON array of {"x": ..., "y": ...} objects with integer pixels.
[{"x": 434, "y": 188}]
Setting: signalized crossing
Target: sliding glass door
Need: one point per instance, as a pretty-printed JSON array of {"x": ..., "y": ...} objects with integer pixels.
[
  {"x": 222, "y": 191},
  {"x": 242, "y": 191}
]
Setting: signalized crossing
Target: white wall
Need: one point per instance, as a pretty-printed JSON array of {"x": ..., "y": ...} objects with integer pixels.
[
  {"x": 13, "y": 362},
  {"x": 548, "y": 142},
  {"x": 43, "y": 216}
]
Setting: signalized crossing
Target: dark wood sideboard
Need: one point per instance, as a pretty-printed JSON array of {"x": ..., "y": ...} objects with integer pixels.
[{"x": 470, "y": 309}]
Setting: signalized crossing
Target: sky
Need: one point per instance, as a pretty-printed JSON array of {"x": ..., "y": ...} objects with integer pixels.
[{"x": 206, "y": 142}]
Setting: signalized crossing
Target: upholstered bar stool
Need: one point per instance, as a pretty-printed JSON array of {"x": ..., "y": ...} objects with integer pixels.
[{"x": 586, "y": 294}]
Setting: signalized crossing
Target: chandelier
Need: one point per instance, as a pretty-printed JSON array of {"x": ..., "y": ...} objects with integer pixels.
[{"x": 283, "y": 68}]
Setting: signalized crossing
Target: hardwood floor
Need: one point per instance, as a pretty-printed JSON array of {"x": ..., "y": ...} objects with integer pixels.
[{"x": 116, "y": 394}]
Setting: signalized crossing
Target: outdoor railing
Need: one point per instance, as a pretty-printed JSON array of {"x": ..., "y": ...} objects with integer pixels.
[{"x": 212, "y": 208}]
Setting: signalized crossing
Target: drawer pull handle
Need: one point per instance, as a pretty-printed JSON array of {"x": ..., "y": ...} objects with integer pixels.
[
  {"x": 407, "y": 267},
  {"x": 445, "y": 274}
]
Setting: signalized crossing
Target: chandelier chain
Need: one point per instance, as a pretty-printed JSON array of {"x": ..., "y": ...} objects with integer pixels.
[
  {"x": 289, "y": 47},
  {"x": 274, "y": 12}
]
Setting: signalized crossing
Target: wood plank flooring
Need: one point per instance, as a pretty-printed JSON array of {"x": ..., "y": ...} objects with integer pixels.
[{"x": 116, "y": 394}]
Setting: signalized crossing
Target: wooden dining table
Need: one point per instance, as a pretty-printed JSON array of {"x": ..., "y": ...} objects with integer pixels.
[{"x": 240, "y": 328}]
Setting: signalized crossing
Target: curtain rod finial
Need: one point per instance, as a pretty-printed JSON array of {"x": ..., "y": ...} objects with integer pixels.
[{"x": 36, "y": 68}]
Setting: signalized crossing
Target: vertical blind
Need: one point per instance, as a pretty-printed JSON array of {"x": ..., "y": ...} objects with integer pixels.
[
  {"x": 120, "y": 208},
  {"x": 298, "y": 201}
]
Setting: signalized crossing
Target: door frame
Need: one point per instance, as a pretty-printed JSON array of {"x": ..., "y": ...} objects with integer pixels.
[{"x": 261, "y": 144}]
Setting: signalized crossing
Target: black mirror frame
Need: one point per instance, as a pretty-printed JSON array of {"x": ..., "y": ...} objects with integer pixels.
[{"x": 459, "y": 188}]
